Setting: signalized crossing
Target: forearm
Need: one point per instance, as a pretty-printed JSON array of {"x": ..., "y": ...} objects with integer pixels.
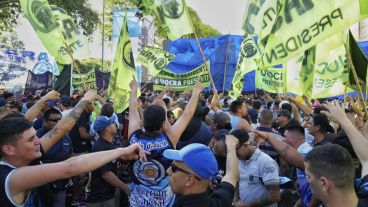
[
  {"x": 267, "y": 199},
  {"x": 35, "y": 110},
  {"x": 192, "y": 104},
  {"x": 232, "y": 170},
  {"x": 307, "y": 110},
  {"x": 63, "y": 127},
  {"x": 288, "y": 153}
]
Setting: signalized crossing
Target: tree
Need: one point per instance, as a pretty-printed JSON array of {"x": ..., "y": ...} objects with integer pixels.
[{"x": 80, "y": 11}]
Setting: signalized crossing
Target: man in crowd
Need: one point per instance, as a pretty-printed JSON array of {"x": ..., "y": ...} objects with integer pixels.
[
  {"x": 20, "y": 146},
  {"x": 150, "y": 185},
  {"x": 238, "y": 110},
  {"x": 259, "y": 175},
  {"x": 61, "y": 151},
  {"x": 103, "y": 182},
  {"x": 320, "y": 127},
  {"x": 193, "y": 168},
  {"x": 282, "y": 121}
]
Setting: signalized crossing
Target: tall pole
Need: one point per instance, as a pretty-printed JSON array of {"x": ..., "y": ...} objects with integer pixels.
[
  {"x": 225, "y": 69},
  {"x": 103, "y": 34}
]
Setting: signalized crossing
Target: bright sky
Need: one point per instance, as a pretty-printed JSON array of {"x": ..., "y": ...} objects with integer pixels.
[{"x": 224, "y": 16}]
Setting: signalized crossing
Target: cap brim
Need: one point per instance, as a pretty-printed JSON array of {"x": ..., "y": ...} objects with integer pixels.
[{"x": 172, "y": 155}]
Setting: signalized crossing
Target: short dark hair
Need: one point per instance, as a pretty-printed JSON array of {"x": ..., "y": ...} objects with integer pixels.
[
  {"x": 235, "y": 105},
  {"x": 11, "y": 128},
  {"x": 266, "y": 117},
  {"x": 107, "y": 110},
  {"x": 296, "y": 129},
  {"x": 14, "y": 114},
  {"x": 142, "y": 99},
  {"x": 167, "y": 101},
  {"x": 333, "y": 162},
  {"x": 322, "y": 121},
  {"x": 154, "y": 118},
  {"x": 256, "y": 104},
  {"x": 241, "y": 135},
  {"x": 287, "y": 106}
]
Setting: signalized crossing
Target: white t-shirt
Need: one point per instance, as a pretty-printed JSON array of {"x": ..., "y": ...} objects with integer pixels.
[{"x": 254, "y": 174}]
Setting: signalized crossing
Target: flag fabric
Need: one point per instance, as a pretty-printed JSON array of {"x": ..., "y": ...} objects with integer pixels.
[
  {"x": 37, "y": 82},
  {"x": 272, "y": 80},
  {"x": 249, "y": 53},
  {"x": 359, "y": 61},
  {"x": 184, "y": 81},
  {"x": 55, "y": 28},
  {"x": 154, "y": 59},
  {"x": 363, "y": 7},
  {"x": 173, "y": 15},
  {"x": 123, "y": 70},
  {"x": 302, "y": 25},
  {"x": 88, "y": 77},
  {"x": 63, "y": 81},
  {"x": 102, "y": 80}
]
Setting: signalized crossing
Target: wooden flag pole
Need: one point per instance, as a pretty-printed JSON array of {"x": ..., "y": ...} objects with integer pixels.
[
  {"x": 356, "y": 81},
  {"x": 225, "y": 69},
  {"x": 345, "y": 94},
  {"x": 75, "y": 63}
]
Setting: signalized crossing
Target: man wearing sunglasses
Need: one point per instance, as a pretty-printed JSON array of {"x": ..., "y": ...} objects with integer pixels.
[{"x": 193, "y": 168}]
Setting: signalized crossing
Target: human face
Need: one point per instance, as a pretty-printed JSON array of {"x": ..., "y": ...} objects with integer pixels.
[
  {"x": 289, "y": 138},
  {"x": 112, "y": 129},
  {"x": 28, "y": 146},
  {"x": 243, "y": 110},
  {"x": 52, "y": 121},
  {"x": 244, "y": 152},
  {"x": 311, "y": 127},
  {"x": 314, "y": 183},
  {"x": 219, "y": 147},
  {"x": 178, "y": 178},
  {"x": 281, "y": 120}
]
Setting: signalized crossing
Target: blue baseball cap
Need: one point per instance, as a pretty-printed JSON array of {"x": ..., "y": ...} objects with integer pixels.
[
  {"x": 197, "y": 157},
  {"x": 2, "y": 101},
  {"x": 102, "y": 122}
]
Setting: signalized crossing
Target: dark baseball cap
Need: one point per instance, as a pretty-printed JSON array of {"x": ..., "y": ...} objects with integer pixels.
[
  {"x": 221, "y": 134},
  {"x": 285, "y": 113},
  {"x": 221, "y": 118}
]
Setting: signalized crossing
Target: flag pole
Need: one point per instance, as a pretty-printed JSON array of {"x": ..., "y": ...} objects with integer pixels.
[
  {"x": 356, "y": 80},
  {"x": 345, "y": 94},
  {"x": 75, "y": 63},
  {"x": 225, "y": 69},
  {"x": 199, "y": 46}
]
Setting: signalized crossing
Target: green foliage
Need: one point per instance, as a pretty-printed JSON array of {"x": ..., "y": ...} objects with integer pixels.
[{"x": 86, "y": 64}]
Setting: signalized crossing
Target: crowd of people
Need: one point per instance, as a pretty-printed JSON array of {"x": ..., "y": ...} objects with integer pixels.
[{"x": 182, "y": 149}]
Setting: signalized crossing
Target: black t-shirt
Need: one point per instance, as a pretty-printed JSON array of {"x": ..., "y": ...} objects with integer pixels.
[
  {"x": 221, "y": 197},
  {"x": 79, "y": 144},
  {"x": 99, "y": 189}
]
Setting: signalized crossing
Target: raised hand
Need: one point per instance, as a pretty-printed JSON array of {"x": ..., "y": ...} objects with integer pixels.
[{"x": 90, "y": 95}]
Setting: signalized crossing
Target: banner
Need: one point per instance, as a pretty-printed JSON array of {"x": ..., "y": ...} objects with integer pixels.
[
  {"x": 272, "y": 80},
  {"x": 63, "y": 81},
  {"x": 173, "y": 16},
  {"x": 55, "y": 28},
  {"x": 37, "y": 82},
  {"x": 247, "y": 62},
  {"x": 181, "y": 82},
  {"x": 302, "y": 24},
  {"x": 123, "y": 70},
  {"x": 89, "y": 79},
  {"x": 102, "y": 80},
  {"x": 154, "y": 59},
  {"x": 363, "y": 7}
]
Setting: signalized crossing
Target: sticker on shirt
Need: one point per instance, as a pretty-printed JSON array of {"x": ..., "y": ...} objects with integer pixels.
[
  {"x": 149, "y": 173},
  {"x": 158, "y": 196}
]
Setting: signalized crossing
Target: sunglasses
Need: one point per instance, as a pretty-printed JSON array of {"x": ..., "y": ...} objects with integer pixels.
[
  {"x": 175, "y": 168},
  {"x": 53, "y": 120}
]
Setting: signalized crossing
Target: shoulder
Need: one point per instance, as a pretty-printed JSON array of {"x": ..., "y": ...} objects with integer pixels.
[{"x": 223, "y": 195}]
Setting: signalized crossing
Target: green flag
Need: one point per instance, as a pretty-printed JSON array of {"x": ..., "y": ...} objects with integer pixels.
[
  {"x": 184, "y": 81},
  {"x": 154, "y": 59},
  {"x": 123, "y": 70},
  {"x": 55, "y": 28},
  {"x": 363, "y": 7},
  {"x": 302, "y": 24},
  {"x": 249, "y": 53},
  {"x": 272, "y": 80},
  {"x": 173, "y": 16},
  {"x": 300, "y": 73},
  {"x": 360, "y": 63}
]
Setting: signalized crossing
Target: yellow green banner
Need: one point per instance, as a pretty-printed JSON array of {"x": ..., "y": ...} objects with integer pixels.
[
  {"x": 123, "y": 70},
  {"x": 272, "y": 80},
  {"x": 56, "y": 29},
  {"x": 89, "y": 79},
  {"x": 302, "y": 24},
  {"x": 154, "y": 59}
]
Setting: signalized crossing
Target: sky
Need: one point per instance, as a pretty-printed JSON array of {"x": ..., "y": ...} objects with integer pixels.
[{"x": 225, "y": 16}]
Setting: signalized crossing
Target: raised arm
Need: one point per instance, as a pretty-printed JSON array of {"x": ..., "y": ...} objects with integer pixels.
[
  {"x": 37, "y": 108},
  {"x": 232, "y": 170},
  {"x": 358, "y": 141},
  {"x": 66, "y": 123},
  {"x": 25, "y": 178},
  {"x": 287, "y": 152},
  {"x": 306, "y": 109},
  {"x": 174, "y": 132},
  {"x": 134, "y": 119}
]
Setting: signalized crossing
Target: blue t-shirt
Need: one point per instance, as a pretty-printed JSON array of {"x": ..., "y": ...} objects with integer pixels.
[
  {"x": 304, "y": 187},
  {"x": 150, "y": 186}
]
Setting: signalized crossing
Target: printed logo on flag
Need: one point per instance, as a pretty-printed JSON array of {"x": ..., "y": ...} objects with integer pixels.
[{"x": 173, "y": 9}]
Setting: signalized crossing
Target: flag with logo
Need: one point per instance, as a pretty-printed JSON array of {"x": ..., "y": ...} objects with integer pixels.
[
  {"x": 302, "y": 24},
  {"x": 154, "y": 59},
  {"x": 56, "y": 29},
  {"x": 173, "y": 15},
  {"x": 123, "y": 70},
  {"x": 249, "y": 53},
  {"x": 272, "y": 80}
]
